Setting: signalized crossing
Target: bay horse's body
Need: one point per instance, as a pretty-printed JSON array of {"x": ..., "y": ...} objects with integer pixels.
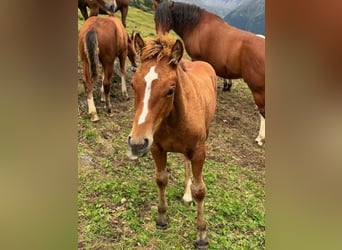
[
  {"x": 175, "y": 101},
  {"x": 96, "y": 7},
  {"x": 232, "y": 52},
  {"x": 103, "y": 40}
]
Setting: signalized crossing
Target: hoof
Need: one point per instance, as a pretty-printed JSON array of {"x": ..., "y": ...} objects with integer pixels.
[
  {"x": 94, "y": 118},
  {"x": 226, "y": 87},
  {"x": 161, "y": 225},
  {"x": 187, "y": 203},
  {"x": 201, "y": 244},
  {"x": 259, "y": 142}
]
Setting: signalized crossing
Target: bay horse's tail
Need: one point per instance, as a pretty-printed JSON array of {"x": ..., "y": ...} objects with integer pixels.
[{"x": 92, "y": 52}]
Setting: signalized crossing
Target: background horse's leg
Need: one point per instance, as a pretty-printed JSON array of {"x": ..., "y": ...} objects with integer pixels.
[
  {"x": 124, "y": 12},
  {"x": 187, "y": 197},
  {"x": 161, "y": 179},
  {"x": 107, "y": 76},
  {"x": 103, "y": 99},
  {"x": 198, "y": 191},
  {"x": 227, "y": 84},
  {"x": 88, "y": 86},
  {"x": 261, "y": 136},
  {"x": 84, "y": 12},
  {"x": 122, "y": 60}
]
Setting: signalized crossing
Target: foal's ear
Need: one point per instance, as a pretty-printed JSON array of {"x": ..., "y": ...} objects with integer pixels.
[
  {"x": 139, "y": 43},
  {"x": 177, "y": 52}
]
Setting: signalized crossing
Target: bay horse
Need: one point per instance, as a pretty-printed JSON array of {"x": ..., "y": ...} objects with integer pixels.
[
  {"x": 175, "y": 101},
  {"x": 228, "y": 83},
  {"x": 111, "y": 6},
  {"x": 232, "y": 52},
  {"x": 103, "y": 40},
  {"x": 96, "y": 7}
]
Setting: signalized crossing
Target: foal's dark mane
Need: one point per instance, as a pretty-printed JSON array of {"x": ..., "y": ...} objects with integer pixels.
[{"x": 181, "y": 15}]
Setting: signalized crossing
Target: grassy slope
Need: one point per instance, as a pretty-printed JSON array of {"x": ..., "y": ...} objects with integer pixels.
[{"x": 118, "y": 197}]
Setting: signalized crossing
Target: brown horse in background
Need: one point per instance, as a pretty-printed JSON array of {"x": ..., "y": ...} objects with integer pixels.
[
  {"x": 175, "y": 101},
  {"x": 122, "y": 6},
  {"x": 102, "y": 40},
  {"x": 96, "y": 7},
  {"x": 232, "y": 52}
]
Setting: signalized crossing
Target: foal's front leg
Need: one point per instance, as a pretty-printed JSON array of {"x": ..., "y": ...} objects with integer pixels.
[
  {"x": 187, "y": 197},
  {"x": 162, "y": 177},
  {"x": 198, "y": 191}
]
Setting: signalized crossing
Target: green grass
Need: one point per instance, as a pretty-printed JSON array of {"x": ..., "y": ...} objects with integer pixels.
[{"x": 117, "y": 199}]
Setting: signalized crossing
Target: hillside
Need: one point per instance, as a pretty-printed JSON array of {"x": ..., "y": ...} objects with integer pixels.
[{"x": 117, "y": 197}]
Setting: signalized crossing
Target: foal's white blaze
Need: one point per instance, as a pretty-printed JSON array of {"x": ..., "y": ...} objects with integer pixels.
[
  {"x": 261, "y": 137},
  {"x": 151, "y": 75}
]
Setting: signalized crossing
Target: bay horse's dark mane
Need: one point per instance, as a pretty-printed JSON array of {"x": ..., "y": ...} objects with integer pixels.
[{"x": 180, "y": 14}]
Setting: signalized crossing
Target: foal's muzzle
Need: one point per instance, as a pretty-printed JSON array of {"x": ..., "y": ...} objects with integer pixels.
[{"x": 138, "y": 148}]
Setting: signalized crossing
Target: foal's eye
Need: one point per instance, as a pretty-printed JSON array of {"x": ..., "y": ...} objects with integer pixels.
[{"x": 171, "y": 91}]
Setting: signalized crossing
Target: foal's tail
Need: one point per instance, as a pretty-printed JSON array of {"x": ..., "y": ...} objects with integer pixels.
[{"x": 92, "y": 52}]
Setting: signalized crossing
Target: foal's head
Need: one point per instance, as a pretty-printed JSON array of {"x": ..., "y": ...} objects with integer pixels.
[{"x": 155, "y": 84}]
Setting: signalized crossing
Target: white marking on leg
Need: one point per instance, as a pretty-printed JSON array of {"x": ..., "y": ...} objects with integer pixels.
[
  {"x": 187, "y": 197},
  {"x": 92, "y": 108},
  {"x": 261, "y": 136},
  {"x": 123, "y": 86},
  {"x": 151, "y": 75},
  {"x": 91, "y": 104}
]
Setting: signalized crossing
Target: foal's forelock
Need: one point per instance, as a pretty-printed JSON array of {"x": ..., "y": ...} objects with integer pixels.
[{"x": 149, "y": 78}]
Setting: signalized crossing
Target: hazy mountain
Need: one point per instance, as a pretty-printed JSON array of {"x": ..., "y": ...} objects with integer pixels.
[
  {"x": 244, "y": 14},
  {"x": 249, "y": 15},
  {"x": 219, "y": 7}
]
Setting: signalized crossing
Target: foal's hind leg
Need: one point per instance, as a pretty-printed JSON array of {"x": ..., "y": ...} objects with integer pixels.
[
  {"x": 162, "y": 176},
  {"x": 107, "y": 75},
  {"x": 198, "y": 191}
]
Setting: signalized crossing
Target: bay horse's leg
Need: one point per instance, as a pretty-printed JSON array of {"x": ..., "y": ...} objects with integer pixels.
[
  {"x": 261, "y": 136},
  {"x": 198, "y": 191},
  {"x": 122, "y": 60},
  {"x": 107, "y": 76},
  {"x": 88, "y": 86},
  {"x": 124, "y": 12},
  {"x": 84, "y": 12},
  {"x": 227, "y": 84},
  {"x": 162, "y": 177},
  {"x": 187, "y": 197}
]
